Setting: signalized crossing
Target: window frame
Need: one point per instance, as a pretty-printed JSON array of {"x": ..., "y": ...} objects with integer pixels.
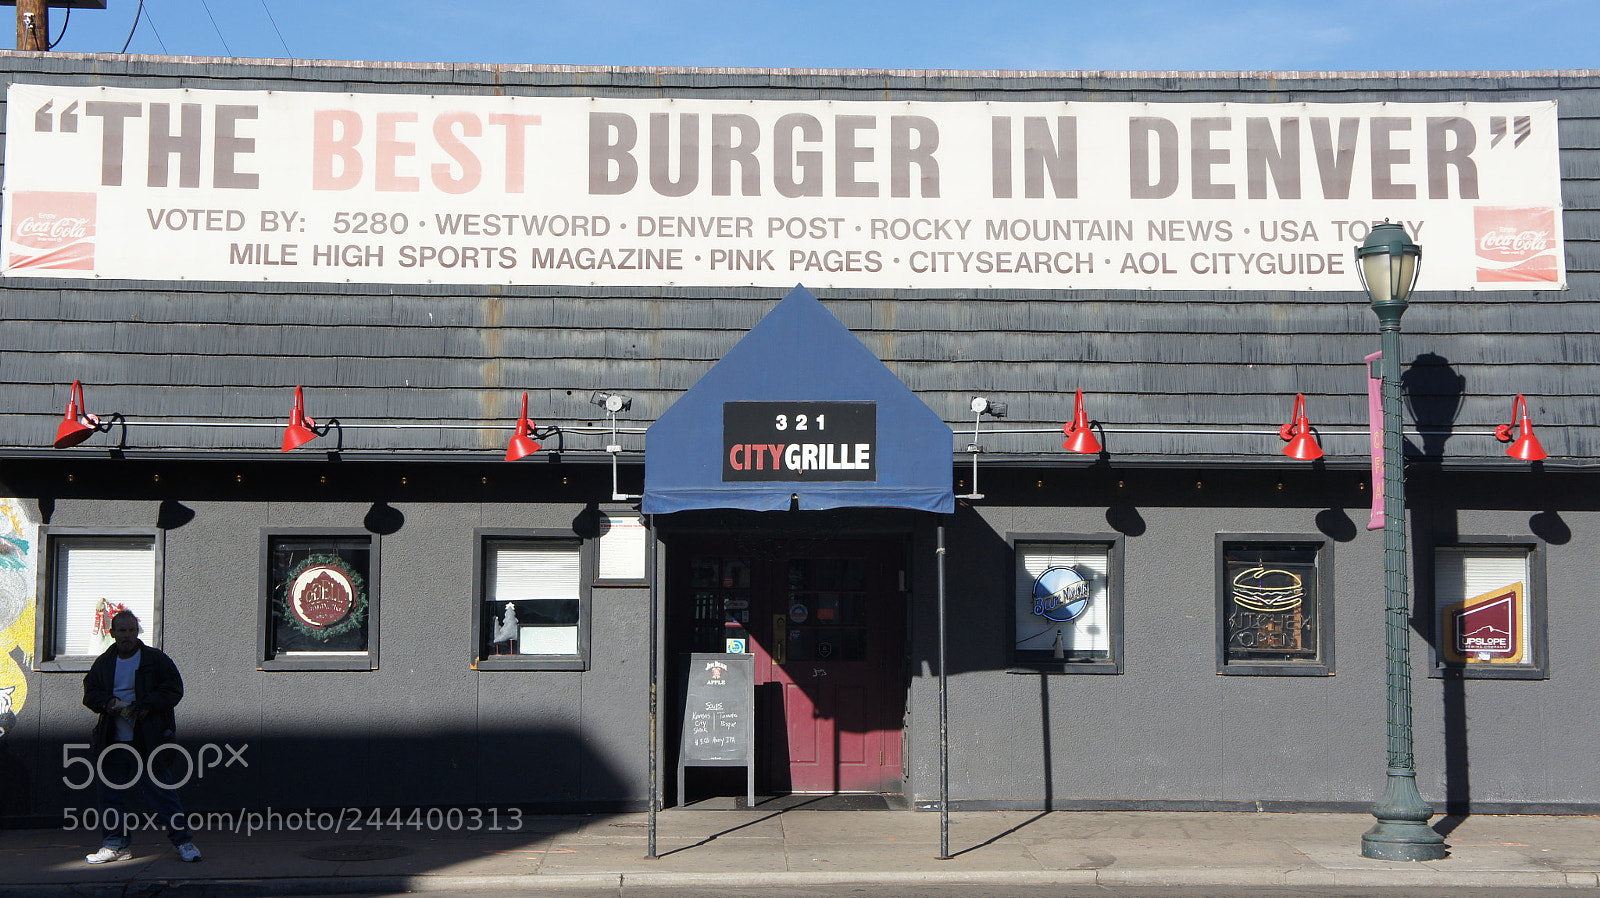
[
  {"x": 351, "y": 661},
  {"x": 1538, "y": 665},
  {"x": 51, "y": 535},
  {"x": 1114, "y": 544},
  {"x": 1323, "y": 666},
  {"x": 482, "y": 537}
]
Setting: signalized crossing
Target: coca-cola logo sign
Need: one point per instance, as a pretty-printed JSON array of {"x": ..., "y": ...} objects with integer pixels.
[
  {"x": 1516, "y": 244},
  {"x": 51, "y": 229},
  {"x": 46, "y": 227}
]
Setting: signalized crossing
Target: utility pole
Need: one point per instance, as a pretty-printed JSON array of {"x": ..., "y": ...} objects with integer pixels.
[{"x": 33, "y": 25}]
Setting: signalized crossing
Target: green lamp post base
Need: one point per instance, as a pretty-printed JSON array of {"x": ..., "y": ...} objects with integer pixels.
[{"x": 1402, "y": 832}]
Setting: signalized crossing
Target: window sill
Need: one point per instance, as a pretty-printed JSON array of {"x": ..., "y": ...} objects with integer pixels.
[
  {"x": 1286, "y": 669},
  {"x": 1065, "y": 667},
  {"x": 529, "y": 662},
  {"x": 65, "y": 665},
  {"x": 334, "y": 661},
  {"x": 1489, "y": 672}
]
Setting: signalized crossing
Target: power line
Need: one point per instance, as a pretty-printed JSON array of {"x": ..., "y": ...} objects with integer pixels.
[
  {"x": 214, "y": 27},
  {"x": 286, "y": 50},
  {"x": 149, "y": 17},
  {"x": 135, "y": 27},
  {"x": 65, "y": 21}
]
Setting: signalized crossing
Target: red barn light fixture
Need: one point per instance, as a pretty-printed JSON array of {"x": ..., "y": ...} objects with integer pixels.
[
  {"x": 1526, "y": 446},
  {"x": 523, "y": 443},
  {"x": 78, "y": 425},
  {"x": 302, "y": 429},
  {"x": 1080, "y": 438},
  {"x": 1302, "y": 443}
]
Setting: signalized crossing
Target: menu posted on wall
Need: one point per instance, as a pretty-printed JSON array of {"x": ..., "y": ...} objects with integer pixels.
[
  {"x": 718, "y": 708},
  {"x": 238, "y": 186}
]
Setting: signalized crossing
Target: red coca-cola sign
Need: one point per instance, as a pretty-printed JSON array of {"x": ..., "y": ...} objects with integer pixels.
[
  {"x": 52, "y": 230},
  {"x": 1516, "y": 245}
]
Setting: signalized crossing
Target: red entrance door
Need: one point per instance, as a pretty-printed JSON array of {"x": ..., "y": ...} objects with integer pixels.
[{"x": 826, "y": 625}]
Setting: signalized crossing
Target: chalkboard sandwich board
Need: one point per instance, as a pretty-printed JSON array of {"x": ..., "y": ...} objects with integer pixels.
[{"x": 718, "y": 716}]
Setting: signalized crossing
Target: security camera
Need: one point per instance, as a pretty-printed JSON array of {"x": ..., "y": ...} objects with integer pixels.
[
  {"x": 611, "y": 402},
  {"x": 983, "y": 406}
]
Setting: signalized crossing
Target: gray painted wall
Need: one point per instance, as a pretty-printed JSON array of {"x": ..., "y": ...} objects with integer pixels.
[
  {"x": 424, "y": 727},
  {"x": 1171, "y": 729}
]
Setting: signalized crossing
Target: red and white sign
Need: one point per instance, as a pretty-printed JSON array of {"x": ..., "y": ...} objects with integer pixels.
[
  {"x": 1517, "y": 245},
  {"x": 321, "y": 596},
  {"x": 407, "y": 188},
  {"x": 50, "y": 230}
]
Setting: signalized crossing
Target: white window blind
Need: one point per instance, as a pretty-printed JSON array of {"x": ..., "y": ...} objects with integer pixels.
[
  {"x": 1090, "y": 631},
  {"x": 120, "y": 570},
  {"x": 1465, "y": 572},
  {"x": 530, "y": 573}
]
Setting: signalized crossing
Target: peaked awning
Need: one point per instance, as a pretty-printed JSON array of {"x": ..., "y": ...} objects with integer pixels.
[{"x": 799, "y": 409}]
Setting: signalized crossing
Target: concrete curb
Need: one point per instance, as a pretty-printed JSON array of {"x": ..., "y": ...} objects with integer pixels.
[{"x": 1163, "y": 876}]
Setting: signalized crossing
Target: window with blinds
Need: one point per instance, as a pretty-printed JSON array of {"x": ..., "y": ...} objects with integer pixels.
[
  {"x": 1065, "y": 605},
  {"x": 93, "y": 577},
  {"x": 533, "y": 599},
  {"x": 1488, "y": 610}
]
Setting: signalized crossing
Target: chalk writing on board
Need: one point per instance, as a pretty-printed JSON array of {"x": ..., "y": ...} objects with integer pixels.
[{"x": 717, "y": 708}]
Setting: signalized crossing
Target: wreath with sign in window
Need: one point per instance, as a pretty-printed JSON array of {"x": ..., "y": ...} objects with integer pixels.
[{"x": 323, "y": 597}]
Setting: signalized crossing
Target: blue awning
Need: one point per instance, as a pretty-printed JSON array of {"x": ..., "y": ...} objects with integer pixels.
[{"x": 798, "y": 409}]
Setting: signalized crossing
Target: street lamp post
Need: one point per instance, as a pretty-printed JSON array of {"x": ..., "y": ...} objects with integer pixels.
[{"x": 1387, "y": 262}]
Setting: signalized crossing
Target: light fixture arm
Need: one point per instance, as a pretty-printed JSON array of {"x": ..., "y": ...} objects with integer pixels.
[
  {"x": 322, "y": 431},
  {"x": 614, "y": 449},
  {"x": 114, "y": 420},
  {"x": 980, "y": 406},
  {"x": 616, "y": 493},
  {"x": 548, "y": 431},
  {"x": 104, "y": 424}
]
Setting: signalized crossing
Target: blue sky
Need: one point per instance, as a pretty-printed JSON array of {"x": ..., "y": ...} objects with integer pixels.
[{"x": 1164, "y": 35}]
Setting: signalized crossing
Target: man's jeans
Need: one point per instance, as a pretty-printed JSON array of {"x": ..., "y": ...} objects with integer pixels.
[{"x": 118, "y": 764}]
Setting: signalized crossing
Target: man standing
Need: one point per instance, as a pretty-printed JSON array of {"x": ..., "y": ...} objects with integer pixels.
[{"x": 134, "y": 688}]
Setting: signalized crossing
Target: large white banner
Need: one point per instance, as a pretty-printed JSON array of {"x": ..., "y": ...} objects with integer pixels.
[{"x": 405, "y": 189}]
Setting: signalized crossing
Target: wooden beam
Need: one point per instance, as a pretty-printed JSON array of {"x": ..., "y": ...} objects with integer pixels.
[{"x": 33, "y": 25}]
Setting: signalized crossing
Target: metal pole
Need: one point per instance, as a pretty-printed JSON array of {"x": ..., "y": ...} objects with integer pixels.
[
  {"x": 944, "y": 721},
  {"x": 1402, "y": 832},
  {"x": 655, "y": 767}
]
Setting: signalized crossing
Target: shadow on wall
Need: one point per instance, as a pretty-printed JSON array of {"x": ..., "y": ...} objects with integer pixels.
[{"x": 1433, "y": 392}]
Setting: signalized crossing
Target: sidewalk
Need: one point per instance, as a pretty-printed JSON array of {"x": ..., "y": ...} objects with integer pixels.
[{"x": 756, "y": 847}]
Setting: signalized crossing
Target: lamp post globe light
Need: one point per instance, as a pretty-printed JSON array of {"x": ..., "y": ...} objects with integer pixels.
[{"x": 1387, "y": 262}]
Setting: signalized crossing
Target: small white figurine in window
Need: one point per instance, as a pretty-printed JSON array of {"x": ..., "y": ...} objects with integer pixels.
[{"x": 505, "y": 630}]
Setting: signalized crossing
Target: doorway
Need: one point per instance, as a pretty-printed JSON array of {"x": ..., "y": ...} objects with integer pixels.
[{"x": 825, "y": 622}]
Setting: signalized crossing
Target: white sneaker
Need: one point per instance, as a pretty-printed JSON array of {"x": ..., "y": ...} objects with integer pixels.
[
  {"x": 107, "y": 855},
  {"x": 188, "y": 853}
]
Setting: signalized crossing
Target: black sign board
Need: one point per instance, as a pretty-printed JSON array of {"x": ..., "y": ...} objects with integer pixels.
[
  {"x": 718, "y": 715},
  {"x": 810, "y": 441}
]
